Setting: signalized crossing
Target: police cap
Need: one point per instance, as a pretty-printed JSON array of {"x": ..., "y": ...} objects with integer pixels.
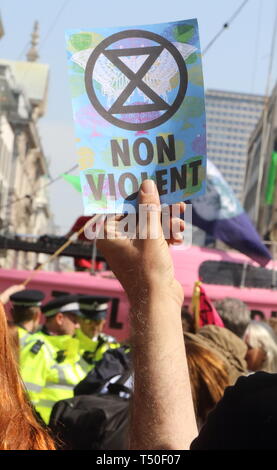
[
  {"x": 27, "y": 298},
  {"x": 64, "y": 304},
  {"x": 93, "y": 307}
]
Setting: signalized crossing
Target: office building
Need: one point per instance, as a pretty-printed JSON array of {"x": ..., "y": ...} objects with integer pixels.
[{"x": 231, "y": 118}]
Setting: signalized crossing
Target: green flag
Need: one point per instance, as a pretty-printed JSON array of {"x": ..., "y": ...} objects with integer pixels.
[
  {"x": 271, "y": 181},
  {"x": 74, "y": 180}
]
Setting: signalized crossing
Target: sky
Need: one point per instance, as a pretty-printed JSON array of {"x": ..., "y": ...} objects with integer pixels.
[{"x": 238, "y": 61}]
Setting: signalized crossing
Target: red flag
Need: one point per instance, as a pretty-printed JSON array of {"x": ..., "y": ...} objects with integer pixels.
[{"x": 203, "y": 309}]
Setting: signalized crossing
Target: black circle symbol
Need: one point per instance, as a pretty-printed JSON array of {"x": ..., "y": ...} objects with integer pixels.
[{"x": 136, "y": 80}]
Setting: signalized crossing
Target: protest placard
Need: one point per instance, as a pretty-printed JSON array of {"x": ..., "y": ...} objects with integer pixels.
[{"x": 139, "y": 112}]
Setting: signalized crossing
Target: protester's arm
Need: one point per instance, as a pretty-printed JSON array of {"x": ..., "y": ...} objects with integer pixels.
[
  {"x": 162, "y": 414},
  {"x": 162, "y": 410},
  {"x": 5, "y": 296}
]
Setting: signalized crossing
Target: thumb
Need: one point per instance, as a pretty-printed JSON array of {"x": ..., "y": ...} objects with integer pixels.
[
  {"x": 148, "y": 193},
  {"x": 149, "y": 211}
]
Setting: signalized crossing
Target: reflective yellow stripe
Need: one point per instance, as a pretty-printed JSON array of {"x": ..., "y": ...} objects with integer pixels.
[
  {"x": 24, "y": 340},
  {"x": 61, "y": 373},
  {"x": 82, "y": 363}
]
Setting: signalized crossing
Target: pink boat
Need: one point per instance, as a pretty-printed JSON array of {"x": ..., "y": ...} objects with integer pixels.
[{"x": 189, "y": 266}]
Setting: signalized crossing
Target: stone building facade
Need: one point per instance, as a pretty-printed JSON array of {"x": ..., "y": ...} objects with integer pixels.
[
  {"x": 6, "y": 155},
  {"x": 25, "y": 208},
  {"x": 262, "y": 144}
]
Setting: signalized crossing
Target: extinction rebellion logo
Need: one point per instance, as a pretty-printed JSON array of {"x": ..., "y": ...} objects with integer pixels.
[{"x": 149, "y": 99}]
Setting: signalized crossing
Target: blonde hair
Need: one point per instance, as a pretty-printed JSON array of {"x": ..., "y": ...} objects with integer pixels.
[{"x": 260, "y": 335}]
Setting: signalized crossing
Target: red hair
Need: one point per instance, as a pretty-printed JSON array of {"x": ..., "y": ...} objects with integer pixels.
[
  {"x": 19, "y": 429},
  {"x": 208, "y": 377},
  {"x": 14, "y": 339}
]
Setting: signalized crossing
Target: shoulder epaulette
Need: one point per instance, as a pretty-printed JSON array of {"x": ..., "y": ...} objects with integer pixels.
[
  {"x": 37, "y": 346},
  {"x": 101, "y": 341},
  {"x": 88, "y": 356},
  {"x": 61, "y": 355}
]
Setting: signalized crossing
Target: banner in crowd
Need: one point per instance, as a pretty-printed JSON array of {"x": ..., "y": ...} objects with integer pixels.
[
  {"x": 139, "y": 112},
  {"x": 220, "y": 214}
]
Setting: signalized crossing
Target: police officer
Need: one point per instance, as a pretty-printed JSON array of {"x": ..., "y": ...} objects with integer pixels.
[
  {"x": 93, "y": 342},
  {"x": 61, "y": 316},
  {"x": 50, "y": 365},
  {"x": 26, "y": 313}
]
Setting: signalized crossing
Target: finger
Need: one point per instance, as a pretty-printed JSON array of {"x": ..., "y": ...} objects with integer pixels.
[
  {"x": 176, "y": 231},
  {"x": 176, "y": 241},
  {"x": 177, "y": 209},
  {"x": 111, "y": 228},
  {"x": 177, "y": 225},
  {"x": 149, "y": 226},
  {"x": 172, "y": 225},
  {"x": 119, "y": 217},
  {"x": 123, "y": 226}
]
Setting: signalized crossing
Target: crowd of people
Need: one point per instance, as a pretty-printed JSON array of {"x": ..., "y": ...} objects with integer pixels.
[{"x": 207, "y": 389}]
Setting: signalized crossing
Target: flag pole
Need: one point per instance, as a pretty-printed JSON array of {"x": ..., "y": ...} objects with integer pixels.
[
  {"x": 92, "y": 221},
  {"x": 195, "y": 303}
]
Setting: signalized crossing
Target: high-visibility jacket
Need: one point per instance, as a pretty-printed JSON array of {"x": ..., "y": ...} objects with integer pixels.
[
  {"x": 24, "y": 336},
  {"x": 50, "y": 368},
  {"x": 92, "y": 350}
]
